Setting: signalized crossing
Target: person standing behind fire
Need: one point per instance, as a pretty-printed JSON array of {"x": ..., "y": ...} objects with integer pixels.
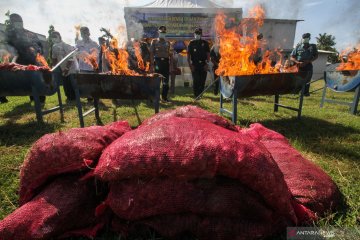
[
  {"x": 86, "y": 45},
  {"x": 7, "y": 54},
  {"x": 215, "y": 59},
  {"x": 173, "y": 73},
  {"x": 198, "y": 58},
  {"x": 161, "y": 60},
  {"x": 59, "y": 50},
  {"x": 303, "y": 55},
  {"x": 26, "y": 43}
]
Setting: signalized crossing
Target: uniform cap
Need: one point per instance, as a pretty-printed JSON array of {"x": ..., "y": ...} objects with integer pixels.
[
  {"x": 306, "y": 35},
  {"x": 198, "y": 31},
  {"x": 162, "y": 29}
]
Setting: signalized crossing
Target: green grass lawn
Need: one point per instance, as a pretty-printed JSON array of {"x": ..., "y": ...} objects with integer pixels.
[{"x": 330, "y": 136}]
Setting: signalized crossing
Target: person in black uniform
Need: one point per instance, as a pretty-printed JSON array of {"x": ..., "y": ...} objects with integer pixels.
[
  {"x": 303, "y": 55},
  {"x": 161, "y": 60},
  {"x": 198, "y": 58}
]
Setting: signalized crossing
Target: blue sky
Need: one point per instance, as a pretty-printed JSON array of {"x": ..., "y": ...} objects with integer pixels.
[{"x": 341, "y": 18}]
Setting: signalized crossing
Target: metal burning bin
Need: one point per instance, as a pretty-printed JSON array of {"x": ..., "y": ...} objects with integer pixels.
[
  {"x": 102, "y": 86},
  {"x": 342, "y": 81},
  {"x": 34, "y": 83},
  {"x": 262, "y": 84}
]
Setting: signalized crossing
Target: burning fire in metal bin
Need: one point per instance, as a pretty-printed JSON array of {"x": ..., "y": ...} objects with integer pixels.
[
  {"x": 352, "y": 61},
  {"x": 240, "y": 44},
  {"x": 118, "y": 59}
]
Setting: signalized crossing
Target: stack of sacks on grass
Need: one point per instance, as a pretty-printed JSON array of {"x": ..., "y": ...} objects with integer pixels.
[
  {"x": 53, "y": 200},
  {"x": 184, "y": 171}
]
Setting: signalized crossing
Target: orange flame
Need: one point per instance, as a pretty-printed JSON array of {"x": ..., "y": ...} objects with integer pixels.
[
  {"x": 5, "y": 58},
  {"x": 353, "y": 59},
  {"x": 141, "y": 64},
  {"x": 239, "y": 47},
  {"x": 91, "y": 59},
  {"x": 77, "y": 32},
  {"x": 41, "y": 60},
  {"x": 118, "y": 59}
]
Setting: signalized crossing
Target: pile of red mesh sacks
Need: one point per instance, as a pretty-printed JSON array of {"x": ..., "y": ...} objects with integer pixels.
[{"x": 181, "y": 172}]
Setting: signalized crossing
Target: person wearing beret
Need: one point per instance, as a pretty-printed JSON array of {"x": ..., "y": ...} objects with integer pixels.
[
  {"x": 161, "y": 53},
  {"x": 198, "y": 59},
  {"x": 303, "y": 55}
]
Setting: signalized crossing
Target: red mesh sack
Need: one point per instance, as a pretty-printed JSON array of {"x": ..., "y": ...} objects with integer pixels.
[
  {"x": 188, "y": 148},
  {"x": 309, "y": 184},
  {"x": 136, "y": 199},
  {"x": 62, "y": 152},
  {"x": 208, "y": 228},
  {"x": 63, "y": 205},
  {"x": 191, "y": 112}
]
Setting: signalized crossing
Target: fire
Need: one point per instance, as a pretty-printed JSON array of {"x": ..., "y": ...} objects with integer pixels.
[
  {"x": 352, "y": 59},
  {"x": 91, "y": 59},
  {"x": 41, "y": 60},
  {"x": 118, "y": 59},
  {"x": 240, "y": 46},
  {"x": 5, "y": 58},
  {"x": 141, "y": 64},
  {"x": 77, "y": 32}
]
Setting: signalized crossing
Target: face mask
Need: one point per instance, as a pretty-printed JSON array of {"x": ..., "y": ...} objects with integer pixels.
[
  {"x": 306, "y": 40},
  {"x": 197, "y": 36},
  {"x": 162, "y": 35}
]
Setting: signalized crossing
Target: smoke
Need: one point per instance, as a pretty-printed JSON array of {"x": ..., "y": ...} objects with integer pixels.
[
  {"x": 346, "y": 21},
  {"x": 278, "y": 9},
  {"x": 38, "y": 15},
  {"x": 225, "y": 3}
]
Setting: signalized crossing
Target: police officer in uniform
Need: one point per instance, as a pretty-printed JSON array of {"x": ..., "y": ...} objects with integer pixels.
[
  {"x": 198, "y": 58},
  {"x": 303, "y": 55},
  {"x": 161, "y": 59}
]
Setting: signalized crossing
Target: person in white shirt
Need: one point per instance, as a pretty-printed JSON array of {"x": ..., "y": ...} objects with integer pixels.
[
  {"x": 59, "y": 50},
  {"x": 88, "y": 46}
]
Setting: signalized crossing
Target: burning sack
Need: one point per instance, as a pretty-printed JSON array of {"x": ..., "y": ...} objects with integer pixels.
[
  {"x": 189, "y": 148},
  {"x": 191, "y": 112},
  {"x": 63, "y": 152},
  {"x": 310, "y": 185},
  {"x": 64, "y": 205}
]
